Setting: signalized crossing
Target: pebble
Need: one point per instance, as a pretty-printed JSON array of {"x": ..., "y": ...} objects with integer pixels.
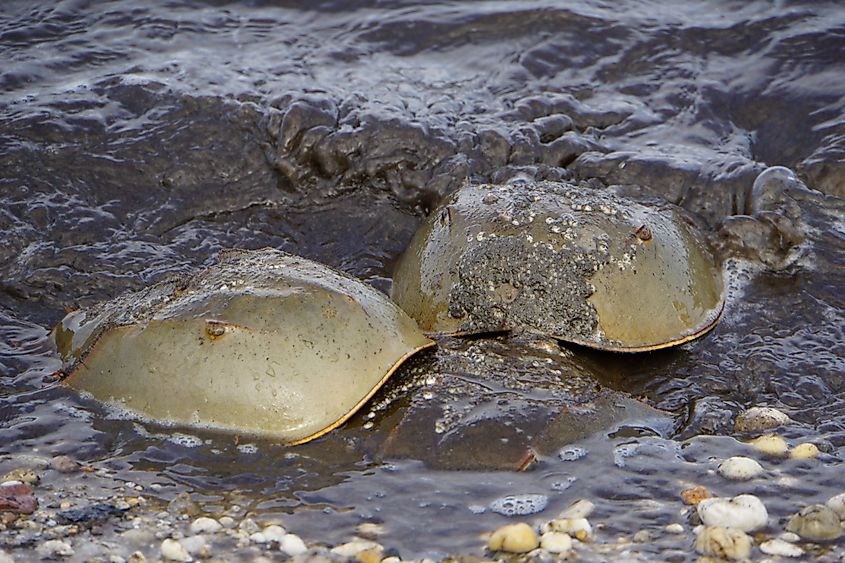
[
  {"x": 514, "y": 538},
  {"x": 353, "y": 548},
  {"x": 743, "y": 512},
  {"x": 274, "y": 533},
  {"x": 136, "y": 557},
  {"x": 205, "y": 525},
  {"x": 757, "y": 419},
  {"x": 816, "y": 522},
  {"x": 54, "y": 548},
  {"x": 804, "y": 451},
  {"x": 578, "y": 509},
  {"x": 790, "y": 537},
  {"x": 196, "y": 546},
  {"x": 643, "y": 536},
  {"x": 740, "y": 468},
  {"x": 578, "y": 527},
  {"x": 183, "y": 504},
  {"x": 227, "y": 521},
  {"x": 675, "y": 528},
  {"x": 770, "y": 444},
  {"x": 5, "y": 557},
  {"x": 695, "y": 495},
  {"x": 17, "y": 497},
  {"x": 556, "y": 542},
  {"x": 172, "y": 550},
  {"x": 725, "y": 543},
  {"x": 370, "y": 530},
  {"x": 781, "y": 548},
  {"x": 837, "y": 504},
  {"x": 65, "y": 464},
  {"x": 248, "y": 526},
  {"x": 292, "y": 545},
  {"x": 26, "y": 476}
]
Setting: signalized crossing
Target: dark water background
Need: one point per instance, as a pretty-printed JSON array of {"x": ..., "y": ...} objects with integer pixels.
[{"x": 138, "y": 139}]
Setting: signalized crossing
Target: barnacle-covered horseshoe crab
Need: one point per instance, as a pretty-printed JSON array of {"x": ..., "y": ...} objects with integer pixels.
[
  {"x": 579, "y": 264},
  {"x": 263, "y": 342}
]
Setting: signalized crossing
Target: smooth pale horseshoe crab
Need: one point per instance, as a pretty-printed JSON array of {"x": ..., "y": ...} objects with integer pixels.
[
  {"x": 262, "y": 342},
  {"x": 581, "y": 265}
]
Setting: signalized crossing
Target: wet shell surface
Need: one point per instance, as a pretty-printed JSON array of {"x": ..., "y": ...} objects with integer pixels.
[
  {"x": 262, "y": 343},
  {"x": 582, "y": 265}
]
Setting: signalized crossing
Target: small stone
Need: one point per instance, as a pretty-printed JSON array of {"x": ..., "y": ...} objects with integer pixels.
[
  {"x": 353, "y": 548},
  {"x": 675, "y": 528},
  {"x": 258, "y": 537},
  {"x": 370, "y": 555},
  {"x": 172, "y": 550},
  {"x": 292, "y": 545},
  {"x": 17, "y": 497},
  {"x": 248, "y": 526},
  {"x": 770, "y": 444},
  {"x": 556, "y": 542},
  {"x": 65, "y": 464},
  {"x": 196, "y": 546},
  {"x": 643, "y": 536},
  {"x": 514, "y": 538},
  {"x": 781, "y": 548},
  {"x": 743, "y": 512},
  {"x": 227, "y": 522},
  {"x": 54, "y": 548},
  {"x": 578, "y": 527},
  {"x": 837, "y": 504},
  {"x": 183, "y": 504},
  {"x": 790, "y": 537},
  {"x": 24, "y": 475},
  {"x": 136, "y": 557},
  {"x": 695, "y": 495},
  {"x": 274, "y": 533},
  {"x": 816, "y": 522},
  {"x": 757, "y": 419},
  {"x": 205, "y": 525},
  {"x": 138, "y": 537},
  {"x": 578, "y": 509},
  {"x": 740, "y": 468},
  {"x": 5, "y": 557},
  {"x": 804, "y": 451},
  {"x": 725, "y": 543}
]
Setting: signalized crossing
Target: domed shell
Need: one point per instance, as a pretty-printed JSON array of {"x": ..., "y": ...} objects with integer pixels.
[
  {"x": 262, "y": 343},
  {"x": 582, "y": 265}
]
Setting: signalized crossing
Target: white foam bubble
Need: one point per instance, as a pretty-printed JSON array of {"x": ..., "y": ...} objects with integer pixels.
[{"x": 519, "y": 505}]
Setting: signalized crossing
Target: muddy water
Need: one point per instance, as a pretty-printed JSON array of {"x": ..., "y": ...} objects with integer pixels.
[{"x": 138, "y": 139}]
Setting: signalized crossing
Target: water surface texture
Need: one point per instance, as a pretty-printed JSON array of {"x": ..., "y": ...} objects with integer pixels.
[{"x": 138, "y": 139}]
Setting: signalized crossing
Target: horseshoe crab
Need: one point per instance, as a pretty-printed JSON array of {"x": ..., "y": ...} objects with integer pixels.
[
  {"x": 262, "y": 342},
  {"x": 581, "y": 265}
]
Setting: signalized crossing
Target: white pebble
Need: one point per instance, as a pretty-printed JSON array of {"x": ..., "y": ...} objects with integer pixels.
[
  {"x": 292, "y": 545},
  {"x": 227, "y": 521},
  {"x": 5, "y": 557},
  {"x": 782, "y": 548},
  {"x": 725, "y": 543},
  {"x": 740, "y": 468},
  {"x": 205, "y": 525},
  {"x": 578, "y": 527},
  {"x": 556, "y": 542},
  {"x": 675, "y": 528},
  {"x": 274, "y": 533},
  {"x": 172, "y": 550},
  {"x": 258, "y": 537},
  {"x": 54, "y": 548},
  {"x": 790, "y": 537},
  {"x": 196, "y": 545},
  {"x": 743, "y": 512},
  {"x": 837, "y": 504}
]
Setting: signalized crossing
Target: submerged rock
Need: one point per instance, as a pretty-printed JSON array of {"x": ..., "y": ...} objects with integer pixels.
[
  {"x": 17, "y": 497},
  {"x": 816, "y": 522},
  {"x": 757, "y": 419},
  {"x": 770, "y": 444},
  {"x": 740, "y": 468}
]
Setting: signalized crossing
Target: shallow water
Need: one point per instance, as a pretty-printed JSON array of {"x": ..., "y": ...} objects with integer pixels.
[{"x": 138, "y": 139}]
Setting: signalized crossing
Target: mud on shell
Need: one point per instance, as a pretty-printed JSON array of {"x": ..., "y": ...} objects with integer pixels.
[
  {"x": 263, "y": 343},
  {"x": 582, "y": 265}
]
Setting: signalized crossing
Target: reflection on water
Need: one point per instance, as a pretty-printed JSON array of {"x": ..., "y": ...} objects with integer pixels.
[{"x": 138, "y": 139}]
